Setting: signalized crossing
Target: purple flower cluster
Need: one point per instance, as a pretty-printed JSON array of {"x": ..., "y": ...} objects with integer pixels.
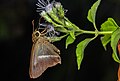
[{"x": 44, "y": 5}]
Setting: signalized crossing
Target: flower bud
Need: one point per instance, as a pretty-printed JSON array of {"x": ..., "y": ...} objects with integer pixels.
[
  {"x": 60, "y": 9},
  {"x": 45, "y": 16}
]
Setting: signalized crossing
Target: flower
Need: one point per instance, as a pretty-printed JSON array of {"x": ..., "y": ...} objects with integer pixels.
[
  {"x": 50, "y": 31},
  {"x": 44, "y": 6},
  {"x": 51, "y": 11}
]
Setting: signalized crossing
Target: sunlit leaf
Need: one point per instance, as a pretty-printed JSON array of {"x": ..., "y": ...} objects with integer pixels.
[
  {"x": 115, "y": 58},
  {"x": 72, "y": 33},
  {"x": 69, "y": 40},
  {"x": 109, "y": 25},
  {"x": 105, "y": 40},
  {"x": 114, "y": 42},
  {"x": 80, "y": 50},
  {"x": 113, "y": 21},
  {"x": 92, "y": 12}
]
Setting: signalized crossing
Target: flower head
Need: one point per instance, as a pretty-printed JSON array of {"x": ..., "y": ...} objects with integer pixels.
[
  {"x": 44, "y": 5},
  {"x": 50, "y": 31}
]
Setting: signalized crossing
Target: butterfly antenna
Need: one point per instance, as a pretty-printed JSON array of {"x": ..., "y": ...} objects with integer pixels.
[{"x": 33, "y": 24}]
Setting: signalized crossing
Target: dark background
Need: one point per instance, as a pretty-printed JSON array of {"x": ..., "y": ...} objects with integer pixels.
[{"x": 15, "y": 42}]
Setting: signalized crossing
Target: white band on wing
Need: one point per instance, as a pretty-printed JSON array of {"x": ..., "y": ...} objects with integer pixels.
[{"x": 46, "y": 56}]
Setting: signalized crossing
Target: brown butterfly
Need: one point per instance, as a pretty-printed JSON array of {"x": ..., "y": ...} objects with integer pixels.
[{"x": 43, "y": 54}]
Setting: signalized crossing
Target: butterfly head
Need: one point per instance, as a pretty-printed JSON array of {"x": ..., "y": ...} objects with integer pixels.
[{"x": 36, "y": 35}]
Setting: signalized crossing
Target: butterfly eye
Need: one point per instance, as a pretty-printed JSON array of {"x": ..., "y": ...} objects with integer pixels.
[{"x": 37, "y": 34}]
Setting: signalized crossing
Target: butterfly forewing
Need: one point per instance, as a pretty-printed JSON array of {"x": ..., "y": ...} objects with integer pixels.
[{"x": 43, "y": 55}]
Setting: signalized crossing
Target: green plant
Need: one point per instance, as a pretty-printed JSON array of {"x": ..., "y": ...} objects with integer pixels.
[{"x": 54, "y": 13}]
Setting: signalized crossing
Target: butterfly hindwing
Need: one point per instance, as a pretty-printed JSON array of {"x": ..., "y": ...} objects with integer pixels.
[{"x": 43, "y": 55}]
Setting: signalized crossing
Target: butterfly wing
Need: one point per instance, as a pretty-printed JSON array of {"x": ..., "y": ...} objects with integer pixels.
[{"x": 43, "y": 55}]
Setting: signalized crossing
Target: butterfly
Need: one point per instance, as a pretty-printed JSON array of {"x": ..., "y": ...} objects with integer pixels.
[{"x": 43, "y": 54}]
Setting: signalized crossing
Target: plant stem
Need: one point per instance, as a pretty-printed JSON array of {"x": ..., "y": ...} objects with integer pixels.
[
  {"x": 93, "y": 32},
  {"x": 89, "y": 32},
  {"x": 95, "y": 26}
]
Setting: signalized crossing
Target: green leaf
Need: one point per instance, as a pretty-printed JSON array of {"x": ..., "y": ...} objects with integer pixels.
[
  {"x": 72, "y": 33},
  {"x": 114, "y": 42},
  {"x": 92, "y": 11},
  {"x": 115, "y": 58},
  {"x": 113, "y": 21},
  {"x": 80, "y": 50},
  {"x": 69, "y": 40},
  {"x": 105, "y": 40},
  {"x": 109, "y": 25}
]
